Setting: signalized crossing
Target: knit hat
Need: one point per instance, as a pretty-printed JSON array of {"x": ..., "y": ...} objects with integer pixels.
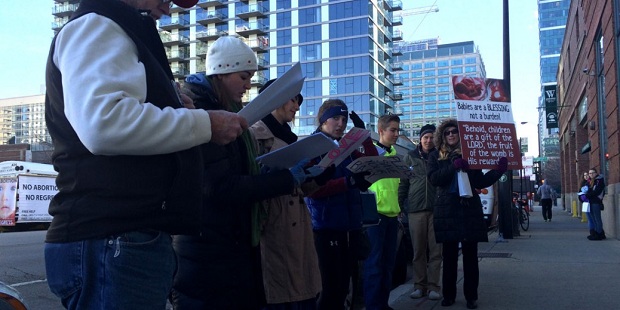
[
  {"x": 426, "y": 129},
  {"x": 299, "y": 97},
  {"x": 229, "y": 54},
  {"x": 185, "y": 3}
]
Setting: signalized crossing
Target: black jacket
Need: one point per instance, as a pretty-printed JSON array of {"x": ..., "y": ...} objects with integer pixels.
[
  {"x": 104, "y": 195},
  {"x": 456, "y": 218},
  {"x": 220, "y": 269}
]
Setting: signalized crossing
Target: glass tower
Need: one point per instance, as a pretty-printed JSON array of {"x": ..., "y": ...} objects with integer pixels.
[
  {"x": 425, "y": 82},
  {"x": 552, "y": 15},
  {"x": 346, "y": 48}
]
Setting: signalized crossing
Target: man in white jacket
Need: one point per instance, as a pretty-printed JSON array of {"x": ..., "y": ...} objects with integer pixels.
[{"x": 129, "y": 171}]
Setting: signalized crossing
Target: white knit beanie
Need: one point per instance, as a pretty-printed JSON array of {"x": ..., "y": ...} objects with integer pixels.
[{"x": 229, "y": 54}]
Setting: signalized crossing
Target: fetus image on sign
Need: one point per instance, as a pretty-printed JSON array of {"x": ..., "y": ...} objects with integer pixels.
[{"x": 469, "y": 88}]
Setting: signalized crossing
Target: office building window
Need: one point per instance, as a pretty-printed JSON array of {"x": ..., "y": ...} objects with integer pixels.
[
  {"x": 284, "y": 37},
  {"x": 283, "y": 19}
]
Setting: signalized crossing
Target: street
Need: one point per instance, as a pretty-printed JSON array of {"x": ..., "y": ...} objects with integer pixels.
[{"x": 22, "y": 266}]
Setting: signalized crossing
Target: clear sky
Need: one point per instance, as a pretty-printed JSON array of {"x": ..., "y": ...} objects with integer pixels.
[
  {"x": 27, "y": 34},
  {"x": 481, "y": 21}
]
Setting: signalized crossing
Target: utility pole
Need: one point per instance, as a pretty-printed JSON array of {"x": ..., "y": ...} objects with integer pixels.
[{"x": 504, "y": 196}]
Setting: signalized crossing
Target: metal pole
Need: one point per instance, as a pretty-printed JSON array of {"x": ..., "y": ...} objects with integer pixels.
[{"x": 505, "y": 188}]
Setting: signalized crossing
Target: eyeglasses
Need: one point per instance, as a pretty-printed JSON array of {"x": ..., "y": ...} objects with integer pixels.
[
  {"x": 591, "y": 172},
  {"x": 448, "y": 132}
]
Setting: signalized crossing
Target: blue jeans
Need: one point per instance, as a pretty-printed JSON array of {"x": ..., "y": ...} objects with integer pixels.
[
  {"x": 379, "y": 265},
  {"x": 595, "y": 216},
  {"x": 126, "y": 271}
]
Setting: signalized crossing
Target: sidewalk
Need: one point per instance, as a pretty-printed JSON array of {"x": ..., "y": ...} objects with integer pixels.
[{"x": 550, "y": 266}]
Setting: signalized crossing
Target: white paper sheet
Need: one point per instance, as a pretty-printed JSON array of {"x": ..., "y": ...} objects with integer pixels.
[
  {"x": 274, "y": 96},
  {"x": 307, "y": 148}
]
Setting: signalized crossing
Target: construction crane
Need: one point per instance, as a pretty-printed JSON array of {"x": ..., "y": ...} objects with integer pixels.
[{"x": 421, "y": 10}]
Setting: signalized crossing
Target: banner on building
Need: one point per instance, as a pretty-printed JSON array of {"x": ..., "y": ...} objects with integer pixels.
[
  {"x": 486, "y": 126},
  {"x": 551, "y": 106}
]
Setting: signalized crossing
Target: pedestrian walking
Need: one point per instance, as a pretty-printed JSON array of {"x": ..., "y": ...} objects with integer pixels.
[{"x": 546, "y": 194}]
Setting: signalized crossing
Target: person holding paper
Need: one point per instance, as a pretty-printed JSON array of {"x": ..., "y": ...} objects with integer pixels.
[
  {"x": 383, "y": 237},
  {"x": 458, "y": 219},
  {"x": 289, "y": 260},
  {"x": 126, "y": 151},
  {"x": 336, "y": 213},
  {"x": 417, "y": 196},
  {"x": 221, "y": 268}
]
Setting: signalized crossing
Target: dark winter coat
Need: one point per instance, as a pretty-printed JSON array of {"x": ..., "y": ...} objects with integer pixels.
[
  {"x": 416, "y": 191},
  {"x": 596, "y": 190},
  {"x": 220, "y": 269},
  {"x": 456, "y": 218}
]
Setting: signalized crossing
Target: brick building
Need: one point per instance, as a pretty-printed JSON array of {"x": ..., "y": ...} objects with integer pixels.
[{"x": 587, "y": 90}]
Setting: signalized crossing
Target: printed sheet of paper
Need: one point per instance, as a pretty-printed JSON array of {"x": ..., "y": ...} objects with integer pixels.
[
  {"x": 274, "y": 96},
  {"x": 349, "y": 143},
  {"x": 307, "y": 148},
  {"x": 381, "y": 167}
]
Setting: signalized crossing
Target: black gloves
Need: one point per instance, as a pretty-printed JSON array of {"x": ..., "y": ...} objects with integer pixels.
[
  {"x": 357, "y": 121},
  {"x": 325, "y": 176},
  {"x": 358, "y": 180}
]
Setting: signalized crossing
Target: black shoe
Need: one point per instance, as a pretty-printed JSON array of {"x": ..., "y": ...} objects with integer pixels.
[
  {"x": 602, "y": 235},
  {"x": 594, "y": 237},
  {"x": 447, "y": 302},
  {"x": 472, "y": 304}
]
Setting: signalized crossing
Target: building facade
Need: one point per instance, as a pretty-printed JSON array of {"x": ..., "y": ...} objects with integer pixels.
[
  {"x": 552, "y": 15},
  {"x": 425, "y": 82},
  {"x": 345, "y": 47},
  {"x": 588, "y": 96}
]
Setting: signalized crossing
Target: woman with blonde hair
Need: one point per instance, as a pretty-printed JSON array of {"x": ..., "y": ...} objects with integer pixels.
[{"x": 457, "y": 219}]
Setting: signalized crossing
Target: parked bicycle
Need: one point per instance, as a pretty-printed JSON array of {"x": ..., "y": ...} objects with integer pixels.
[{"x": 524, "y": 214}]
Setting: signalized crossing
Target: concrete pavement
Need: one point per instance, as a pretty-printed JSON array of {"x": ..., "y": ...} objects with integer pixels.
[{"x": 550, "y": 266}]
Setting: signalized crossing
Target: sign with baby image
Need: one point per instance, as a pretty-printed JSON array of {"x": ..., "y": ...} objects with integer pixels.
[{"x": 486, "y": 125}]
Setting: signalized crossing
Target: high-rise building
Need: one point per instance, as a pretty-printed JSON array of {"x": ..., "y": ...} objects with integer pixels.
[
  {"x": 425, "y": 82},
  {"x": 552, "y": 15},
  {"x": 346, "y": 48}
]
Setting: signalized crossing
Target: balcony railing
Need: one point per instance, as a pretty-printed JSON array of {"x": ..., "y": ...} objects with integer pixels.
[
  {"x": 262, "y": 63},
  {"x": 179, "y": 71},
  {"x": 397, "y": 35},
  {"x": 173, "y": 38},
  {"x": 177, "y": 55},
  {"x": 210, "y": 34},
  {"x": 397, "y": 50},
  {"x": 63, "y": 10},
  {"x": 259, "y": 45},
  {"x": 247, "y": 29},
  {"x": 176, "y": 22},
  {"x": 252, "y": 10},
  {"x": 210, "y": 3},
  {"x": 211, "y": 17},
  {"x": 393, "y": 5},
  {"x": 258, "y": 80},
  {"x": 397, "y": 21}
]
